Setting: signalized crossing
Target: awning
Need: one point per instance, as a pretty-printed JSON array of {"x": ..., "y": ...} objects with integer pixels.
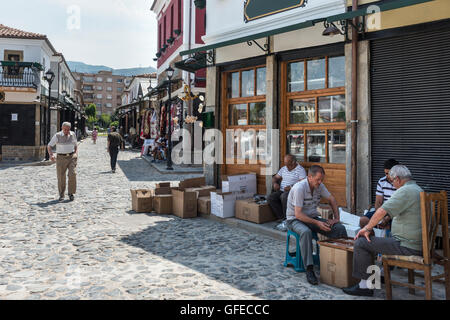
[
  {"x": 344, "y": 16},
  {"x": 192, "y": 64}
]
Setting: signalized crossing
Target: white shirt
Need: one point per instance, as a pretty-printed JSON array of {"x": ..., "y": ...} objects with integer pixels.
[
  {"x": 64, "y": 144},
  {"x": 289, "y": 178}
]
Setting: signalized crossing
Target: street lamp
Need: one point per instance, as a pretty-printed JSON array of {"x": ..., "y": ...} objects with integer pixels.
[
  {"x": 169, "y": 72},
  {"x": 49, "y": 76}
]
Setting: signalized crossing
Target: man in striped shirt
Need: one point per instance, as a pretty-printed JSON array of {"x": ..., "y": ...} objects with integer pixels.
[
  {"x": 286, "y": 177},
  {"x": 385, "y": 190}
]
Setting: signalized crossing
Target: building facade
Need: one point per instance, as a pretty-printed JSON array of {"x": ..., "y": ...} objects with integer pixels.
[
  {"x": 373, "y": 91},
  {"x": 24, "y": 95},
  {"x": 102, "y": 89}
]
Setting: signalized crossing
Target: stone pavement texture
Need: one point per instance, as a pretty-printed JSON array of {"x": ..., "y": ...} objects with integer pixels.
[{"x": 97, "y": 248}]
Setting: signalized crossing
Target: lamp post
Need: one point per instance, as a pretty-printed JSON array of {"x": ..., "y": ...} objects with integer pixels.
[
  {"x": 49, "y": 77},
  {"x": 169, "y": 72}
]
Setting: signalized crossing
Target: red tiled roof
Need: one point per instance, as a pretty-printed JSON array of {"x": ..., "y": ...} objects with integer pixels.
[{"x": 7, "y": 32}]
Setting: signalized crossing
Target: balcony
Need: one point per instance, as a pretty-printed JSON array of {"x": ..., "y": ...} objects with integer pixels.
[{"x": 19, "y": 74}]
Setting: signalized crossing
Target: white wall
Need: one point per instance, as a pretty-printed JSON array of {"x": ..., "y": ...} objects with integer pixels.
[{"x": 225, "y": 18}]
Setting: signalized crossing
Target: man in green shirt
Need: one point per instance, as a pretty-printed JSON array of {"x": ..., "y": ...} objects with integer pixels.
[
  {"x": 404, "y": 209},
  {"x": 114, "y": 141}
]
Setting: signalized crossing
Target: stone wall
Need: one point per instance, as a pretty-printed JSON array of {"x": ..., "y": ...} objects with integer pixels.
[{"x": 23, "y": 153}]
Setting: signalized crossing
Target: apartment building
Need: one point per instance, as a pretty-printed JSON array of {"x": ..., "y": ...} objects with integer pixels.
[{"x": 103, "y": 89}]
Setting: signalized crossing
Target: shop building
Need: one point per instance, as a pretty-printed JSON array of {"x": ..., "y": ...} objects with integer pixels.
[
  {"x": 25, "y": 98},
  {"x": 375, "y": 90}
]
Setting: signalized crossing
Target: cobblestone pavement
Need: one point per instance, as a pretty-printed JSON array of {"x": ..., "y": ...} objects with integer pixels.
[{"x": 97, "y": 248}]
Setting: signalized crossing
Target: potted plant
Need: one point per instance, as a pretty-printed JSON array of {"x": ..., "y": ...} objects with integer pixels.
[
  {"x": 200, "y": 3},
  {"x": 170, "y": 40},
  {"x": 158, "y": 54},
  {"x": 177, "y": 32}
]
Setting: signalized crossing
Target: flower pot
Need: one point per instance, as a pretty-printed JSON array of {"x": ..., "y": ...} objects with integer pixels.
[{"x": 177, "y": 32}]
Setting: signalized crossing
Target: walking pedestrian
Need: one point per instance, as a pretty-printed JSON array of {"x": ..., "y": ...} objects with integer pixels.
[
  {"x": 94, "y": 135},
  {"x": 114, "y": 141},
  {"x": 67, "y": 151}
]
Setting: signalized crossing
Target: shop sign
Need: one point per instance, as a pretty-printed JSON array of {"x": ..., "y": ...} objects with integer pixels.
[{"x": 255, "y": 9}]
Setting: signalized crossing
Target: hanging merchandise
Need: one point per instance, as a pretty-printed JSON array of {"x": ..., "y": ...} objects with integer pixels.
[
  {"x": 153, "y": 125},
  {"x": 147, "y": 123},
  {"x": 162, "y": 122}
]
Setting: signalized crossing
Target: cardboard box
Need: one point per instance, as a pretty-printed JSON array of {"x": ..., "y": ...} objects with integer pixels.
[
  {"x": 204, "y": 205},
  {"x": 251, "y": 211},
  {"x": 163, "y": 185},
  {"x": 184, "y": 203},
  {"x": 141, "y": 200},
  {"x": 336, "y": 263},
  {"x": 163, "y": 204},
  {"x": 240, "y": 183},
  {"x": 204, "y": 191},
  {"x": 192, "y": 183},
  {"x": 161, "y": 190},
  {"x": 223, "y": 203}
]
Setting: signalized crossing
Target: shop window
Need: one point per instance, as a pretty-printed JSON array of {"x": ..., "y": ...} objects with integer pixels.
[
  {"x": 257, "y": 112},
  {"x": 248, "y": 83},
  {"x": 336, "y": 72},
  {"x": 314, "y": 112},
  {"x": 296, "y": 76},
  {"x": 234, "y": 85},
  {"x": 260, "y": 81},
  {"x": 238, "y": 115},
  {"x": 332, "y": 108},
  {"x": 302, "y": 111}
]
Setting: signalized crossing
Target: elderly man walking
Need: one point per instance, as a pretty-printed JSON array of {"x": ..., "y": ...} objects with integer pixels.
[
  {"x": 67, "y": 151},
  {"x": 406, "y": 230}
]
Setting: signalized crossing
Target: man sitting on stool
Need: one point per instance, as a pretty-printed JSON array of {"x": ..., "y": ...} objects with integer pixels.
[
  {"x": 303, "y": 218},
  {"x": 289, "y": 175}
]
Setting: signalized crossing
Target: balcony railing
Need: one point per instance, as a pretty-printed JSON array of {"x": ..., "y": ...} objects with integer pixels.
[{"x": 18, "y": 75}]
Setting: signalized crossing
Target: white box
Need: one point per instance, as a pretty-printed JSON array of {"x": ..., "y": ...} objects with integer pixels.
[
  {"x": 240, "y": 183},
  {"x": 223, "y": 203},
  {"x": 352, "y": 231}
]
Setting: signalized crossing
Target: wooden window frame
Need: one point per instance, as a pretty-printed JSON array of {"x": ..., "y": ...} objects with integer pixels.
[
  {"x": 288, "y": 96},
  {"x": 227, "y": 101}
]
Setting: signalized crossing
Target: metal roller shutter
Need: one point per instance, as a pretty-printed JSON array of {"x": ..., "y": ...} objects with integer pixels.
[{"x": 410, "y": 107}]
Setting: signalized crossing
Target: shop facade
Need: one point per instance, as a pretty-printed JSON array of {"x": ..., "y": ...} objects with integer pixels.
[{"x": 274, "y": 71}]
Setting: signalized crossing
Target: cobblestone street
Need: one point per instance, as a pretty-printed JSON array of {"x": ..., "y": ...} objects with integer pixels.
[{"x": 97, "y": 248}]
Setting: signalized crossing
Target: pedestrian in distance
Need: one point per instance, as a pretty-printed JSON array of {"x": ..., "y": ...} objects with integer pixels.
[
  {"x": 67, "y": 151},
  {"x": 114, "y": 141},
  {"x": 94, "y": 135}
]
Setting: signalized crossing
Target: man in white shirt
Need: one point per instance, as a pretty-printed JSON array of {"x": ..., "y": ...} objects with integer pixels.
[
  {"x": 66, "y": 148},
  {"x": 288, "y": 175}
]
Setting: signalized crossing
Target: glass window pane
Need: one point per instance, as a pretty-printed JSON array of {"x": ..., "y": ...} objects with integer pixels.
[
  {"x": 295, "y": 144},
  {"x": 336, "y": 72},
  {"x": 336, "y": 146},
  {"x": 238, "y": 114},
  {"x": 296, "y": 76},
  {"x": 315, "y": 70},
  {"x": 234, "y": 85},
  {"x": 302, "y": 111},
  {"x": 248, "y": 83},
  {"x": 316, "y": 146},
  {"x": 257, "y": 113},
  {"x": 332, "y": 109},
  {"x": 260, "y": 81}
]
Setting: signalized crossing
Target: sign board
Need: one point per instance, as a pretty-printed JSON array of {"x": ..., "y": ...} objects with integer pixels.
[
  {"x": 14, "y": 116},
  {"x": 255, "y": 9}
]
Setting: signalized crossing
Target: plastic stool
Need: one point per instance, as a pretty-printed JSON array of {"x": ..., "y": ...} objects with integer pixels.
[{"x": 295, "y": 258}]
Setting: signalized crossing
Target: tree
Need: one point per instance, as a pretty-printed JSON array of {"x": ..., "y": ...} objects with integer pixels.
[
  {"x": 91, "y": 110},
  {"x": 115, "y": 124},
  {"x": 91, "y": 122},
  {"x": 105, "y": 120}
]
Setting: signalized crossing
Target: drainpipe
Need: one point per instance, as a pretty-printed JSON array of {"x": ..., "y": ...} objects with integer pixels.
[
  {"x": 59, "y": 66},
  {"x": 354, "y": 111},
  {"x": 190, "y": 111}
]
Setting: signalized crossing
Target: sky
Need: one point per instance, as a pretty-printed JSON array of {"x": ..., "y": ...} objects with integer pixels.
[{"x": 115, "y": 33}]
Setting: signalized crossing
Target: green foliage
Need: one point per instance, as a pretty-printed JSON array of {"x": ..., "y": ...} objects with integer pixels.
[
  {"x": 105, "y": 120},
  {"x": 91, "y": 110},
  {"x": 115, "y": 124},
  {"x": 91, "y": 122}
]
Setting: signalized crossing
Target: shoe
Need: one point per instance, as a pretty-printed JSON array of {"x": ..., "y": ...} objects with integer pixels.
[
  {"x": 282, "y": 226},
  {"x": 61, "y": 199},
  {"x": 113, "y": 170},
  {"x": 71, "y": 197},
  {"x": 357, "y": 291},
  {"x": 311, "y": 277}
]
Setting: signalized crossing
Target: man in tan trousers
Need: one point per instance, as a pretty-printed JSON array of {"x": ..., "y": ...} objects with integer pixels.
[{"x": 66, "y": 148}]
